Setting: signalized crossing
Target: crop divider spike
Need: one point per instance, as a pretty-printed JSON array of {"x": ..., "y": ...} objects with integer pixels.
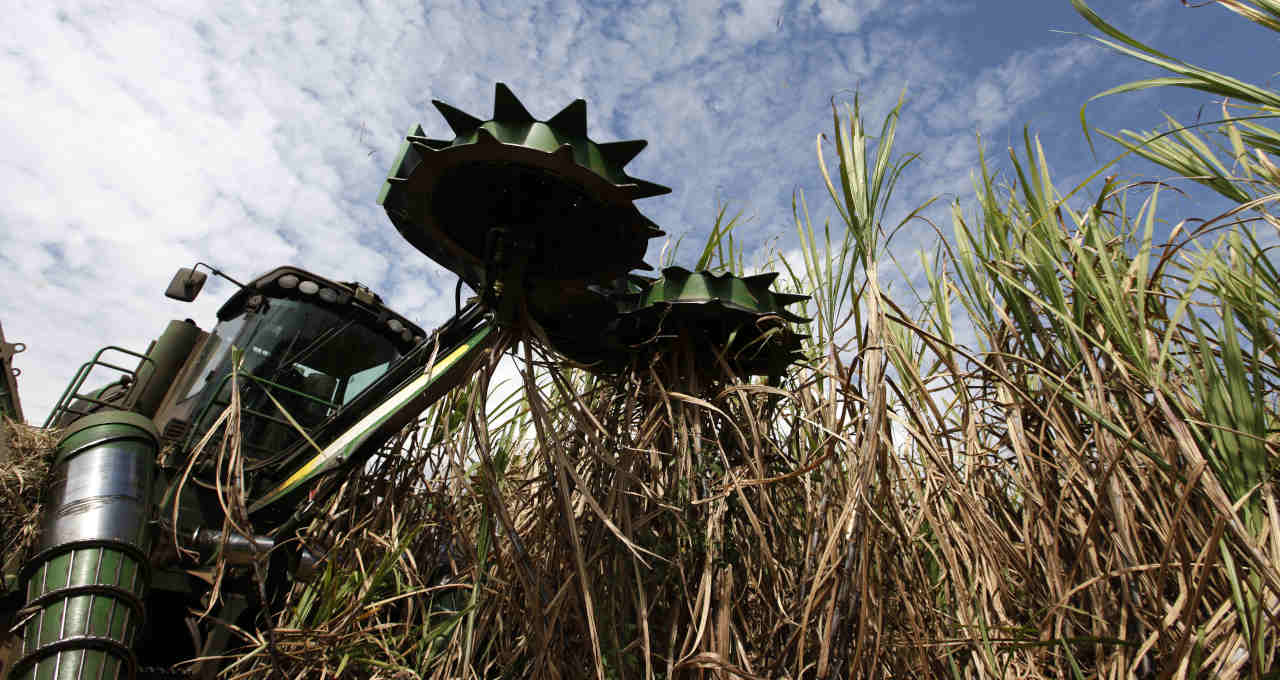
[
  {"x": 572, "y": 119},
  {"x": 507, "y": 107},
  {"x": 640, "y": 188},
  {"x": 461, "y": 122},
  {"x": 761, "y": 280},
  {"x": 621, "y": 153}
]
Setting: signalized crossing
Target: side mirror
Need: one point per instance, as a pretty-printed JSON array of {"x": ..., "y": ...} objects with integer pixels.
[{"x": 186, "y": 285}]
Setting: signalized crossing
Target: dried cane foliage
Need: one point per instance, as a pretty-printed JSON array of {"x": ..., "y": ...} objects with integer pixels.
[
  {"x": 1074, "y": 479},
  {"x": 22, "y": 481},
  {"x": 1058, "y": 459},
  {"x": 1053, "y": 454}
]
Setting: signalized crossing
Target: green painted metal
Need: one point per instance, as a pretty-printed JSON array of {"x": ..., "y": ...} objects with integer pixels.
[
  {"x": 100, "y": 426},
  {"x": 447, "y": 372},
  {"x": 88, "y": 581},
  {"x": 741, "y": 318},
  {"x": 165, "y": 358},
  {"x": 533, "y": 214},
  {"x": 752, "y": 294},
  {"x": 517, "y": 204},
  {"x": 97, "y": 616},
  {"x": 541, "y": 190}
]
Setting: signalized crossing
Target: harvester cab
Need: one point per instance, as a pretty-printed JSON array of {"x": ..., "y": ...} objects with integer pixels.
[
  {"x": 294, "y": 339},
  {"x": 296, "y": 353},
  {"x": 312, "y": 376}
]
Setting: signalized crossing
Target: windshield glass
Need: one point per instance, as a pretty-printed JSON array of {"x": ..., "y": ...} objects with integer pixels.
[
  {"x": 296, "y": 356},
  {"x": 219, "y": 347},
  {"x": 298, "y": 340}
]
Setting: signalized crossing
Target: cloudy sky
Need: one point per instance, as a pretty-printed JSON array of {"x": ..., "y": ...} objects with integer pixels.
[{"x": 140, "y": 137}]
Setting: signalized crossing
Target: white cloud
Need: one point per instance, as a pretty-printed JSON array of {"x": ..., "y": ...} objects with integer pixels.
[
  {"x": 752, "y": 19},
  {"x": 139, "y": 138},
  {"x": 846, "y": 16},
  {"x": 998, "y": 94}
]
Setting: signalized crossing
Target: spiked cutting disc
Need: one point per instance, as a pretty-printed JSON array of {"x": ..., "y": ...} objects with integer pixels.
[
  {"x": 560, "y": 198},
  {"x": 722, "y": 312}
]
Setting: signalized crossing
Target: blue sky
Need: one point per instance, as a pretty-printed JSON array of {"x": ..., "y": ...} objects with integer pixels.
[{"x": 138, "y": 138}]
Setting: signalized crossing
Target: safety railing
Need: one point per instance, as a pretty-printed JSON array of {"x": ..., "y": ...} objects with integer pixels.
[{"x": 72, "y": 394}]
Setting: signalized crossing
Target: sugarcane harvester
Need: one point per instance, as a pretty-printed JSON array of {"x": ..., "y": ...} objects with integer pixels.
[{"x": 534, "y": 216}]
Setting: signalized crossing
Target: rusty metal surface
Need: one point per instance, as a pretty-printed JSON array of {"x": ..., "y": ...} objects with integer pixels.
[{"x": 10, "y": 405}]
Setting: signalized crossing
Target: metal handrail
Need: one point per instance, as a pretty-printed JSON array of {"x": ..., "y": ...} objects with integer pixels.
[{"x": 82, "y": 374}]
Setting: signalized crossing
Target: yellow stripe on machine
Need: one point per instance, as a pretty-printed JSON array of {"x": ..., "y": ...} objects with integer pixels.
[{"x": 356, "y": 434}]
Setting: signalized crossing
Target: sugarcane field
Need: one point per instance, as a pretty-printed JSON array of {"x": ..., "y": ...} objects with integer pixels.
[{"x": 1020, "y": 423}]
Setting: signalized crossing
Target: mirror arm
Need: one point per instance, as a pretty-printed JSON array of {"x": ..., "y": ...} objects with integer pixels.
[{"x": 217, "y": 273}]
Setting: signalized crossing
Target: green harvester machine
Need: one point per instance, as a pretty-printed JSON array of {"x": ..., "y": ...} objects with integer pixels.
[{"x": 533, "y": 215}]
